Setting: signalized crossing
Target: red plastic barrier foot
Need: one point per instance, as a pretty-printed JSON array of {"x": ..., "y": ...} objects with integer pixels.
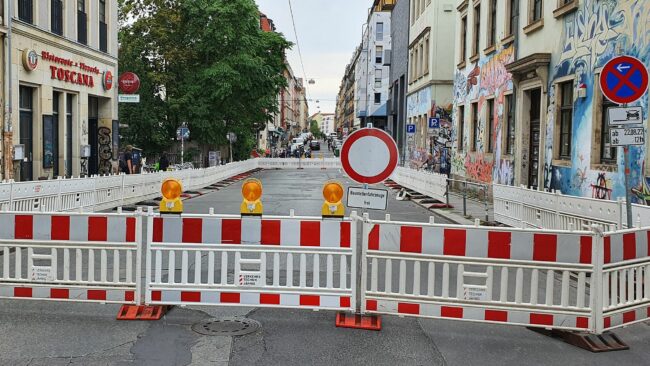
[
  {"x": 357, "y": 321},
  {"x": 142, "y": 312}
]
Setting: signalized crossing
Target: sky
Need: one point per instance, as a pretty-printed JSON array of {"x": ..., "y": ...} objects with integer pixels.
[{"x": 328, "y": 31}]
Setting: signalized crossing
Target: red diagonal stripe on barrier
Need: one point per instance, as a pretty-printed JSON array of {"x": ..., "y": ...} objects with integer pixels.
[
  {"x": 98, "y": 228},
  {"x": 410, "y": 239},
  {"x": 585, "y": 249},
  {"x": 541, "y": 319},
  {"x": 192, "y": 230},
  {"x": 59, "y": 293},
  {"x": 496, "y": 315},
  {"x": 271, "y": 232},
  {"x": 310, "y": 233},
  {"x": 455, "y": 242},
  {"x": 60, "y": 227},
  {"x": 373, "y": 238},
  {"x": 158, "y": 230},
  {"x": 270, "y": 299},
  {"x": 451, "y": 312},
  {"x": 499, "y": 243},
  {"x": 346, "y": 228},
  {"x": 130, "y": 229},
  {"x": 231, "y": 231},
  {"x": 545, "y": 247},
  {"x": 24, "y": 227},
  {"x": 629, "y": 246}
]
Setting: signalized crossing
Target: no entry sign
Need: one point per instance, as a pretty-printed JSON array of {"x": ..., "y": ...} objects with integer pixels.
[
  {"x": 624, "y": 80},
  {"x": 369, "y": 156}
]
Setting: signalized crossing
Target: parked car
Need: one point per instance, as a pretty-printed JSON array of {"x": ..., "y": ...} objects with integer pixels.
[{"x": 314, "y": 145}]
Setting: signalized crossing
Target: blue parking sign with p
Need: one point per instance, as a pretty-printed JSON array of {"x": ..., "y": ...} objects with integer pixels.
[
  {"x": 434, "y": 122},
  {"x": 410, "y": 128}
]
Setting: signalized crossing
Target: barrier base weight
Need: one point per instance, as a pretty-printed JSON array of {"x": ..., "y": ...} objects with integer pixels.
[
  {"x": 357, "y": 321},
  {"x": 605, "y": 342},
  {"x": 142, "y": 312}
]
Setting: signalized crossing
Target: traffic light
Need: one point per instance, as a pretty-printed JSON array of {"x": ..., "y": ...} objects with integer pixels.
[
  {"x": 333, "y": 193},
  {"x": 251, "y": 191},
  {"x": 171, "y": 190}
]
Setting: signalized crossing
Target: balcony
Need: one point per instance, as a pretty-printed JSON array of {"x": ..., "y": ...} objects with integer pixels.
[{"x": 384, "y": 5}]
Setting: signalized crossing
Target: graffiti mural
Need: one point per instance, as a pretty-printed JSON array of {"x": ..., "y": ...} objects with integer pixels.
[
  {"x": 597, "y": 32},
  {"x": 105, "y": 150},
  {"x": 488, "y": 79}
]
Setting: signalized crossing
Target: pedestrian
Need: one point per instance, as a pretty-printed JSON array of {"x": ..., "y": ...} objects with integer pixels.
[
  {"x": 126, "y": 163},
  {"x": 164, "y": 162}
]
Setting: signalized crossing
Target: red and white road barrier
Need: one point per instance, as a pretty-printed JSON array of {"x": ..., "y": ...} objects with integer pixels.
[
  {"x": 67, "y": 257},
  {"x": 286, "y": 262}
]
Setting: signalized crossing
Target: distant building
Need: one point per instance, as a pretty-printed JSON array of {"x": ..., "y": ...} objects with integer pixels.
[
  {"x": 325, "y": 121},
  {"x": 398, "y": 79}
]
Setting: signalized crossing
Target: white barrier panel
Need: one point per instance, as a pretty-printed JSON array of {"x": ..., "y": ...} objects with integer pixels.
[
  {"x": 285, "y": 262},
  {"x": 295, "y": 163},
  {"x": 75, "y": 257},
  {"x": 431, "y": 184},
  {"x": 626, "y": 278},
  {"x": 495, "y": 275}
]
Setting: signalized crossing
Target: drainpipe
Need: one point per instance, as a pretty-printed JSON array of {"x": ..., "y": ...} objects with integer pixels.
[{"x": 8, "y": 127}]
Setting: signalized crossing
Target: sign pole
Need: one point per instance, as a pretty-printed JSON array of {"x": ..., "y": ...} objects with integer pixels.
[
  {"x": 628, "y": 196},
  {"x": 182, "y": 147}
]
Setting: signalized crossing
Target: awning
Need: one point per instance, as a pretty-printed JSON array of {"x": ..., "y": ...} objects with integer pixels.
[{"x": 381, "y": 111}]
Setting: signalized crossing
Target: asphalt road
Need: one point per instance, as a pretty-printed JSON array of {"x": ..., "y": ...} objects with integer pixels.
[{"x": 51, "y": 333}]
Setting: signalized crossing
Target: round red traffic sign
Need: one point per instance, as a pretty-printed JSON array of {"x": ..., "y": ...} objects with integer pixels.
[
  {"x": 369, "y": 156},
  {"x": 624, "y": 79},
  {"x": 129, "y": 82}
]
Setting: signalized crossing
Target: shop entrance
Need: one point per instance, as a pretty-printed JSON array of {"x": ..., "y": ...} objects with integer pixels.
[
  {"x": 535, "y": 136},
  {"x": 93, "y": 131},
  {"x": 26, "y": 132}
]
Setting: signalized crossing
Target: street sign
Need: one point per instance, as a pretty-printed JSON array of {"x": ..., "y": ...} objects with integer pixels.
[
  {"x": 367, "y": 199},
  {"x": 410, "y": 128},
  {"x": 624, "y": 80},
  {"x": 369, "y": 156},
  {"x": 627, "y": 136},
  {"x": 625, "y": 116},
  {"x": 128, "y": 98},
  {"x": 182, "y": 134},
  {"x": 434, "y": 122}
]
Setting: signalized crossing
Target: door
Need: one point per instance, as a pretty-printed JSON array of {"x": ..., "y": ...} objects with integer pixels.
[
  {"x": 68, "y": 135},
  {"x": 55, "y": 134},
  {"x": 26, "y": 132},
  {"x": 535, "y": 135},
  {"x": 93, "y": 131}
]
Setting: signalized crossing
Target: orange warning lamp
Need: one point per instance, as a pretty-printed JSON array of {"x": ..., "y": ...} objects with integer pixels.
[
  {"x": 171, "y": 190},
  {"x": 333, "y": 194},
  {"x": 251, "y": 191}
]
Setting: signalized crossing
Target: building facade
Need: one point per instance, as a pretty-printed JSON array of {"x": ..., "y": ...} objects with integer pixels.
[
  {"x": 63, "y": 118},
  {"x": 430, "y": 81},
  {"x": 528, "y": 106},
  {"x": 346, "y": 101},
  {"x": 399, "y": 57}
]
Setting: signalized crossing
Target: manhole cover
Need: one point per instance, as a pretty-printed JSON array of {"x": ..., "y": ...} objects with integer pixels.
[{"x": 227, "y": 327}]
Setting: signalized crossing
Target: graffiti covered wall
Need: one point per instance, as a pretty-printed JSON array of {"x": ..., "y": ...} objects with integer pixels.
[
  {"x": 594, "y": 34},
  {"x": 486, "y": 80}
]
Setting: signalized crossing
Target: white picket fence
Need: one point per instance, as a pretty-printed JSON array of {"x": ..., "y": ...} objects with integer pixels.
[{"x": 529, "y": 208}]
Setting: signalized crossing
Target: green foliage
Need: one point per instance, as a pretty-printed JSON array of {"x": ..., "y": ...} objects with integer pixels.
[
  {"x": 313, "y": 128},
  {"x": 204, "y": 62}
]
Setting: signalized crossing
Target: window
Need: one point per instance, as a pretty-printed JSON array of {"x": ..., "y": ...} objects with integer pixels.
[
  {"x": 463, "y": 39},
  {"x": 607, "y": 151},
  {"x": 412, "y": 12},
  {"x": 103, "y": 27},
  {"x": 490, "y": 126},
  {"x": 411, "y": 67},
  {"x": 426, "y": 55},
  {"x": 379, "y": 53},
  {"x": 421, "y": 60},
  {"x": 566, "y": 119},
  {"x": 492, "y": 36},
  {"x": 377, "y": 98},
  {"x": 57, "y": 17},
  {"x": 536, "y": 10},
  {"x": 510, "y": 125},
  {"x": 477, "y": 29},
  {"x": 461, "y": 128},
  {"x": 380, "y": 31},
  {"x": 26, "y": 11},
  {"x": 475, "y": 128},
  {"x": 378, "y": 77},
  {"x": 513, "y": 12},
  {"x": 416, "y": 74},
  {"x": 82, "y": 19}
]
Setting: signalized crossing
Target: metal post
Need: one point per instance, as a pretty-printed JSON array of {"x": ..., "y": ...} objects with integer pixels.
[
  {"x": 628, "y": 197},
  {"x": 465, "y": 198},
  {"x": 447, "y": 193},
  {"x": 597, "y": 286},
  {"x": 182, "y": 148},
  {"x": 487, "y": 206}
]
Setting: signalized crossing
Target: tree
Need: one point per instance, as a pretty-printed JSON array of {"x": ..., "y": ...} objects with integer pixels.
[
  {"x": 315, "y": 130},
  {"x": 212, "y": 65}
]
